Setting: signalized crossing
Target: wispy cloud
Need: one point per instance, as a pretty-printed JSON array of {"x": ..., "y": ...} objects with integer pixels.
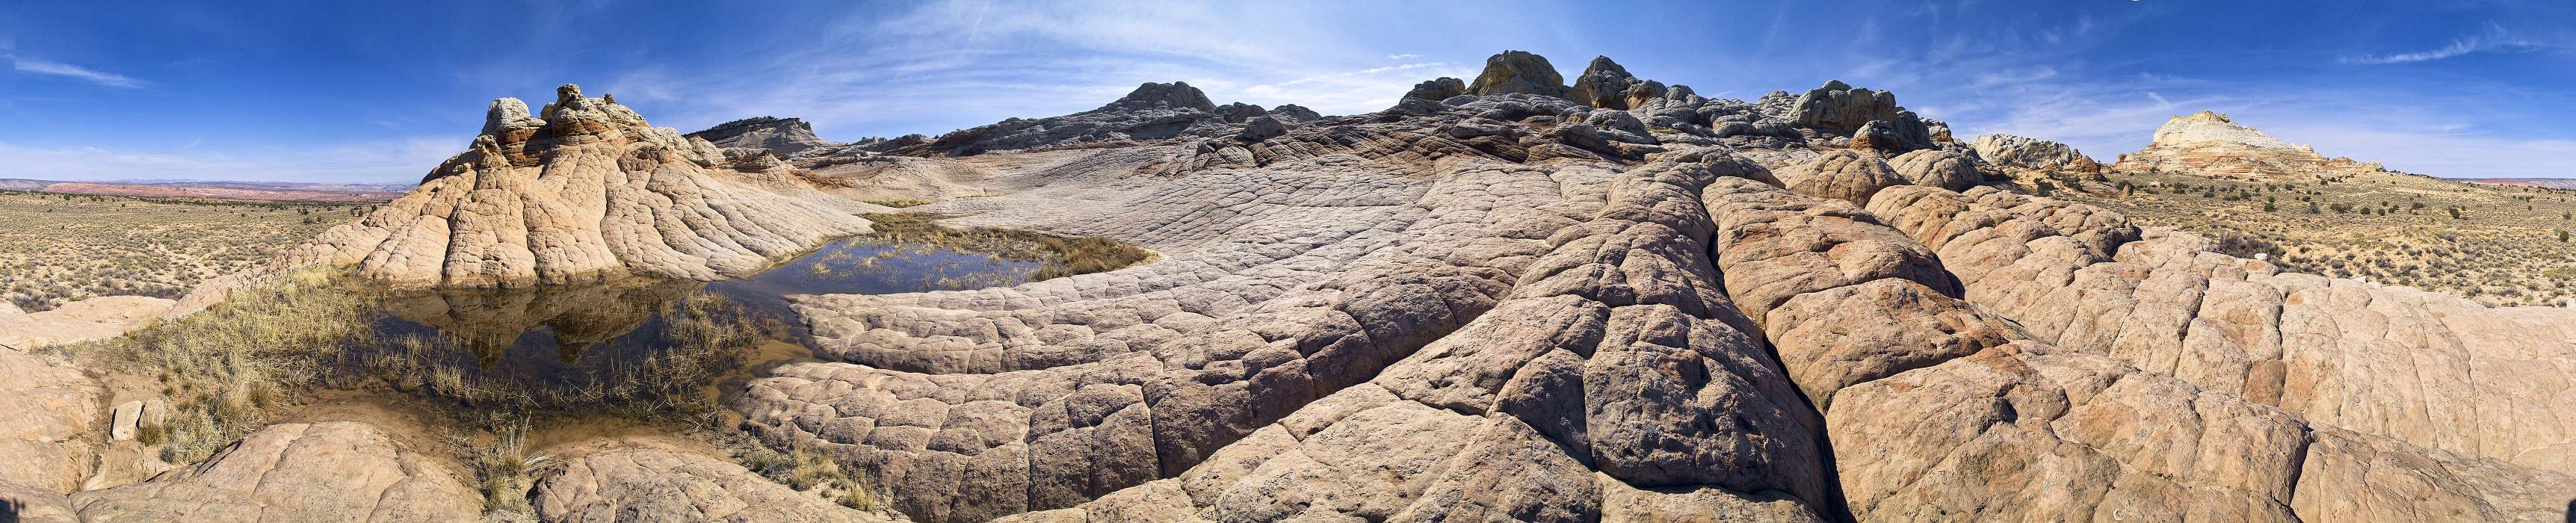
[
  {"x": 2495, "y": 38},
  {"x": 1406, "y": 56},
  {"x": 31, "y": 65}
]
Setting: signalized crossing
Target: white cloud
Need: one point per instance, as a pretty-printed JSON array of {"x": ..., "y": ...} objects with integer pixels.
[
  {"x": 2493, "y": 39},
  {"x": 1406, "y": 56},
  {"x": 30, "y": 65}
]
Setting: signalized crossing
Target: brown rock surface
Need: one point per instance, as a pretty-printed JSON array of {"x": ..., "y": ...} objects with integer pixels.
[
  {"x": 296, "y": 472},
  {"x": 90, "y": 319},
  {"x": 49, "y": 442},
  {"x": 635, "y": 482}
]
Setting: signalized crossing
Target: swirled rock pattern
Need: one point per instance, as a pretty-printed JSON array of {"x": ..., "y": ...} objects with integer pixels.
[
  {"x": 1505, "y": 305},
  {"x": 587, "y": 192},
  {"x": 2031, "y": 154}
]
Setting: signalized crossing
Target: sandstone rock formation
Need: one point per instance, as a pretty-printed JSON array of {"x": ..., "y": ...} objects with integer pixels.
[
  {"x": 635, "y": 481},
  {"x": 587, "y": 192},
  {"x": 296, "y": 472},
  {"x": 1606, "y": 85},
  {"x": 2031, "y": 154},
  {"x": 1437, "y": 89},
  {"x": 1519, "y": 307},
  {"x": 1841, "y": 108},
  {"x": 1524, "y": 307},
  {"x": 1518, "y": 72},
  {"x": 785, "y": 137},
  {"x": 48, "y": 443},
  {"x": 1937, "y": 168},
  {"x": 2210, "y": 144},
  {"x": 1841, "y": 175},
  {"x": 90, "y": 319}
]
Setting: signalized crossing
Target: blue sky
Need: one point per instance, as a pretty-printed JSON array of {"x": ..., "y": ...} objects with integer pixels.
[{"x": 381, "y": 91}]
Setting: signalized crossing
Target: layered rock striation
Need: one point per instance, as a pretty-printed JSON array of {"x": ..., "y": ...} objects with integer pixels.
[
  {"x": 785, "y": 137},
  {"x": 2022, "y": 154},
  {"x": 1522, "y": 307},
  {"x": 2210, "y": 144},
  {"x": 586, "y": 191}
]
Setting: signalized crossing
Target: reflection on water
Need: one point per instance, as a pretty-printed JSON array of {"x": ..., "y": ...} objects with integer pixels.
[{"x": 643, "y": 346}]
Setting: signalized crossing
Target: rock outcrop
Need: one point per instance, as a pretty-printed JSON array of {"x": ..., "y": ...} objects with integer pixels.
[
  {"x": 1437, "y": 89},
  {"x": 634, "y": 481},
  {"x": 2020, "y": 154},
  {"x": 2210, "y": 144},
  {"x": 1606, "y": 85},
  {"x": 1937, "y": 168},
  {"x": 587, "y": 192},
  {"x": 1518, "y": 307},
  {"x": 49, "y": 443},
  {"x": 785, "y": 137},
  {"x": 79, "y": 321},
  {"x": 1518, "y": 72},
  {"x": 296, "y": 472},
  {"x": 1154, "y": 111}
]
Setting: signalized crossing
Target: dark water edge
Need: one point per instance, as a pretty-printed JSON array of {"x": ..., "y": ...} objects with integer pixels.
[{"x": 586, "y": 348}]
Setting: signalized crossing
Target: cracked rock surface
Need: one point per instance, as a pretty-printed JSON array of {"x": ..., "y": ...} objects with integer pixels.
[
  {"x": 635, "y": 482},
  {"x": 1474, "y": 309},
  {"x": 332, "y": 471},
  {"x": 1493, "y": 303}
]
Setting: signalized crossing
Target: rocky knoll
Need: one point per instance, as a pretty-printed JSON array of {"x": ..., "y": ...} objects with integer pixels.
[
  {"x": 2209, "y": 143},
  {"x": 1520, "y": 307},
  {"x": 583, "y": 192},
  {"x": 2022, "y": 154},
  {"x": 785, "y": 137}
]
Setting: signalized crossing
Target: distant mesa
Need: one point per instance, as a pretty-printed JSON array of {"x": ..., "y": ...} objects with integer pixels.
[{"x": 2210, "y": 144}]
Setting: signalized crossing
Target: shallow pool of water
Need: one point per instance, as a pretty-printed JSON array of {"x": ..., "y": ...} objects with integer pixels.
[{"x": 612, "y": 342}]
